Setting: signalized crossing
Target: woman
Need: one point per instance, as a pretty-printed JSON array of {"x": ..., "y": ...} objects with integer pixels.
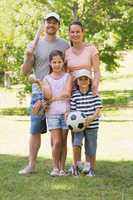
[{"x": 82, "y": 55}]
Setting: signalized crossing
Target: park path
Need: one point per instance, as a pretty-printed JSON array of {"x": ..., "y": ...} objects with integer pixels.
[{"x": 115, "y": 140}]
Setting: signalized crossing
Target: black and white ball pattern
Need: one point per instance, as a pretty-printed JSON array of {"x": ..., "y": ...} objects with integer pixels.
[{"x": 75, "y": 121}]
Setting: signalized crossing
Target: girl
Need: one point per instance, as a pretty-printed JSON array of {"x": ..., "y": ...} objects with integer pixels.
[
  {"x": 83, "y": 100},
  {"x": 57, "y": 88}
]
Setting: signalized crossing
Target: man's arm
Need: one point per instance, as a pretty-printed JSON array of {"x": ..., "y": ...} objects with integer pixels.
[{"x": 26, "y": 67}]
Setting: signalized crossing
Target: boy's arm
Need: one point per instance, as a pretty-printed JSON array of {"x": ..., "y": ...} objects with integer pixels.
[{"x": 90, "y": 119}]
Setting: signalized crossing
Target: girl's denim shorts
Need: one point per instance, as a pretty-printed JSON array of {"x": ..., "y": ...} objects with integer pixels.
[{"x": 56, "y": 121}]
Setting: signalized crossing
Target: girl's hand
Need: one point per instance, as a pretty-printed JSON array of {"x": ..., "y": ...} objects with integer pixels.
[{"x": 66, "y": 115}]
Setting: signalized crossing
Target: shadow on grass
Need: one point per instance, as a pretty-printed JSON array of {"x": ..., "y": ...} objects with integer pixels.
[
  {"x": 113, "y": 181},
  {"x": 106, "y": 169}
]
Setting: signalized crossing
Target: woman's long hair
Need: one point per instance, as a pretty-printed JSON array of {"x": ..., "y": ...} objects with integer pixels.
[{"x": 76, "y": 23}]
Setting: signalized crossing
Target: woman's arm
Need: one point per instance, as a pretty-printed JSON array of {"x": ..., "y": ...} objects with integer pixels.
[{"x": 96, "y": 70}]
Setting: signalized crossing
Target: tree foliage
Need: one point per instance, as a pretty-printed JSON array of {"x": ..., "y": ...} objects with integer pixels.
[{"x": 108, "y": 24}]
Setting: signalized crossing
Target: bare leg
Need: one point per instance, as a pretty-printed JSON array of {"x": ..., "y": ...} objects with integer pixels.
[
  {"x": 76, "y": 154},
  {"x": 63, "y": 150},
  {"x": 92, "y": 160},
  {"x": 34, "y": 145},
  {"x": 56, "y": 147}
]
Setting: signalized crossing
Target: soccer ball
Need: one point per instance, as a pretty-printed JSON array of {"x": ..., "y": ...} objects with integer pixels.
[
  {"x": 75, "y": 121},
  {"x": 32, "y": 78}
]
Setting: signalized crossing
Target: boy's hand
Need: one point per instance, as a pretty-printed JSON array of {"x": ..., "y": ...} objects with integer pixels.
[{"x": 88, "y": 120}]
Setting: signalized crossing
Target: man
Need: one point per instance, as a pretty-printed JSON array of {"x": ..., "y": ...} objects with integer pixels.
[{"x": 37, "y": 61}]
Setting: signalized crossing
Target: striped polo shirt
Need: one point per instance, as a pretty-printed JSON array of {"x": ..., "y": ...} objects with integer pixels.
[{"x": 87, "y": 104}]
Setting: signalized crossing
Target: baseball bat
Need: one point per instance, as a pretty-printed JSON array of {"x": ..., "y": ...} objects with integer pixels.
[{"x": 37, "y": 35}]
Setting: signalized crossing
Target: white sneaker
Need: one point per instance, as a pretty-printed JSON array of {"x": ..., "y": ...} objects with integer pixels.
[
  {"x": 91, "y": 173},
  {"x": 86, "y": 168},
  {"x": 55, "y": 172},
  {"x": 27, "y": 170},
  {"x": 80, "y": 166},
  {"x": 62, "y": 173}
]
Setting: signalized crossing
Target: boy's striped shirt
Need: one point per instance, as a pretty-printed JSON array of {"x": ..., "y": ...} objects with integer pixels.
[{"x": 87, "y": 104}]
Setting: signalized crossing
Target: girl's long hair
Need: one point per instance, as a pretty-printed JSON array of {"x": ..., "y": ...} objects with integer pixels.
[{"x": 53, "y": 54}]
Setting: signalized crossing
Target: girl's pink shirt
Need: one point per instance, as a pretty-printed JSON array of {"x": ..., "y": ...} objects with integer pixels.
[{"x": 58, "y": 87}]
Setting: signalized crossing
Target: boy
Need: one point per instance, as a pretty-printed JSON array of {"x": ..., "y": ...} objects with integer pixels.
[{"x": 84, "y": 101}]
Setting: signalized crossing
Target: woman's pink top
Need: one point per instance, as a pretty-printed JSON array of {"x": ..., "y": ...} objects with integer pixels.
[{"x": 84, "y": 57}]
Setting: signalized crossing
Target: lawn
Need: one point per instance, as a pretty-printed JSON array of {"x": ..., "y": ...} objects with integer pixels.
[
  {"x": 114, "y": 171},
  {"x": 114, "y": 181}
]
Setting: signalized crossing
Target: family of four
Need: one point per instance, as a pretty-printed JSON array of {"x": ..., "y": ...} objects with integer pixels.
[{"x": 67, "y": 78}]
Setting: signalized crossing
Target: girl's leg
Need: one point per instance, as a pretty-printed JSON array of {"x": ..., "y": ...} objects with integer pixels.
[
  {"x": 63, "y": 149},
  {"x": 56, "y": 141}
]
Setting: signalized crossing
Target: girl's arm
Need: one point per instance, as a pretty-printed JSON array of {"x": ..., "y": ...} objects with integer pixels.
[
  {"x": 66, "y": 94},
  {"x": 45, "y": 87}
]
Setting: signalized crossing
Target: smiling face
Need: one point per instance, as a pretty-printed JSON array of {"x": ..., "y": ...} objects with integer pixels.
[
  {"x": 84, "y": 82},
  {"x": 51, "y": 26},
  {"x": 76, "y": 33},
  {"x": 57, "y": 64}
]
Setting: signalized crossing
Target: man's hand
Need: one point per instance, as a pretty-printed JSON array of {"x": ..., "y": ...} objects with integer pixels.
[{"x": 37, "y": 106}]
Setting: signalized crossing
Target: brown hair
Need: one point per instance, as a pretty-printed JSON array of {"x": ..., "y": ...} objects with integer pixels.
[
  {"x": 56, "y": 53},
  {"x": 76, "y": 23}
]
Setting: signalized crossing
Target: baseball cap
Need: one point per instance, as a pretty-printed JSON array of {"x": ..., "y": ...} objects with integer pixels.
[
  {"x": 54, "y": 15},
  {"x": 82, "y": 72}
]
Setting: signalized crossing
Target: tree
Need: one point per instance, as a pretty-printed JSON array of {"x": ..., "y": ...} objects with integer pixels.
[{"x": 108, "y": 24}]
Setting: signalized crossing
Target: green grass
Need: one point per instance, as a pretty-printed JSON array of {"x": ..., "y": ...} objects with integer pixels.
[
  {"x": 113, "y": 182},
  {"x": 14, "y": 111},
  {"x": 117, "y": 97}
]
